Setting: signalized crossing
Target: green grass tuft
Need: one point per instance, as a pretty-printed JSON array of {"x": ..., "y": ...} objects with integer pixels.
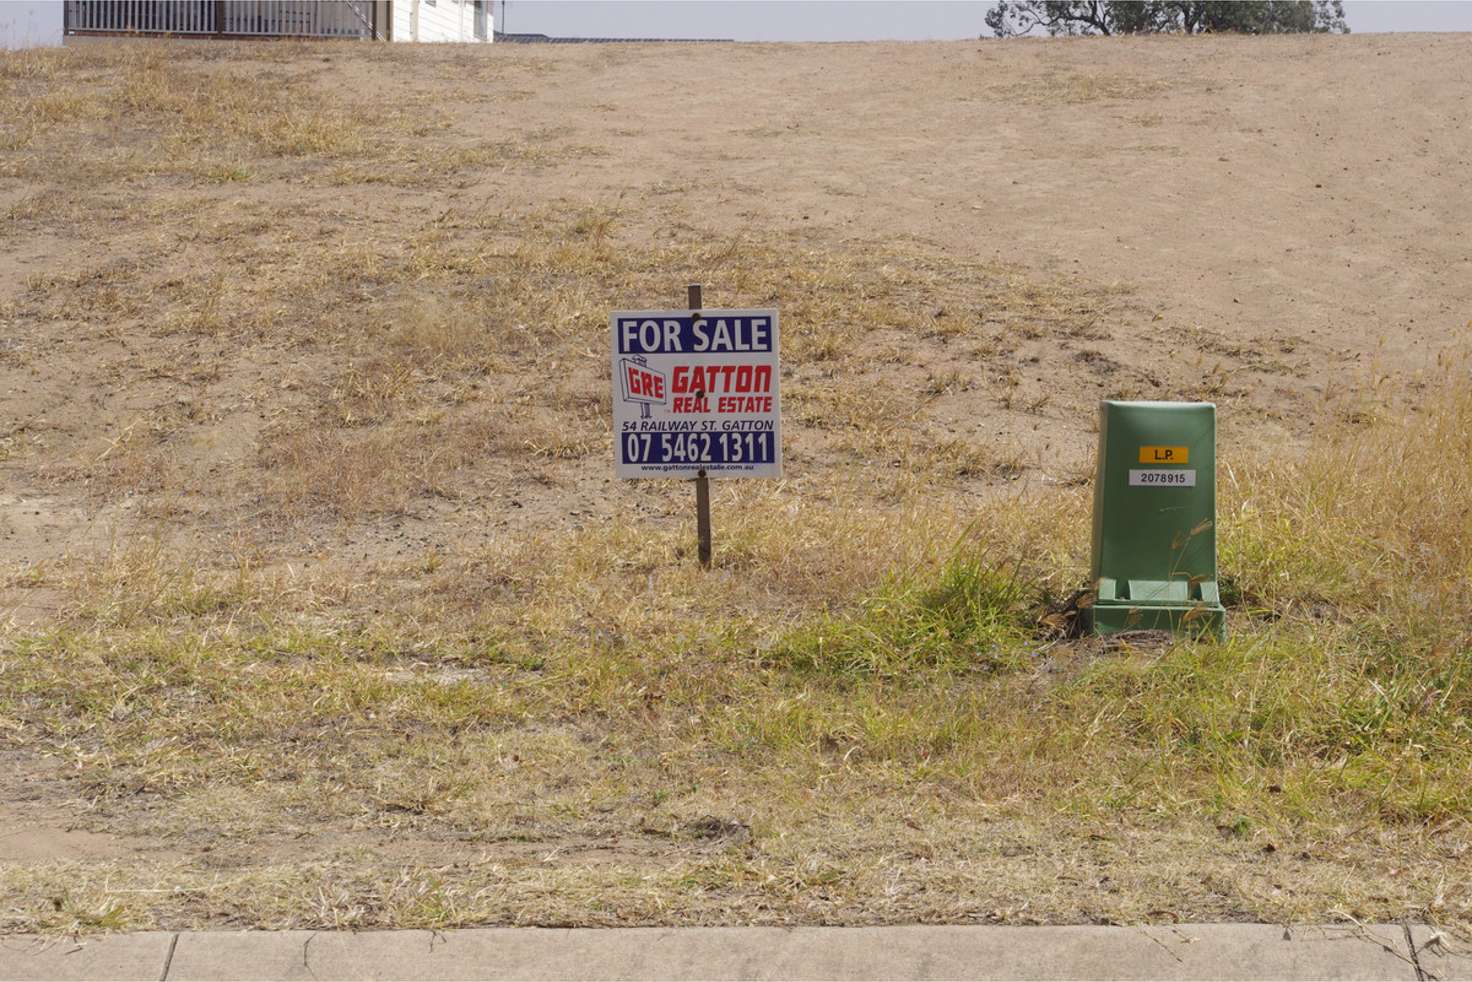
[{"x": 970, "y": 615}]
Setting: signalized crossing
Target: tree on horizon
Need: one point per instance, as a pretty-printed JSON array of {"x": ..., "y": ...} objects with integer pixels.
[{"x": 1014, "y": 18}]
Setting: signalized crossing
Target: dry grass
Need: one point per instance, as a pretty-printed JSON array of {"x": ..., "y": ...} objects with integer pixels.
[
  {"x": 152, "y": 113},
  {"x": 431, "y": 334},
  {"x": 1078, "y": 88},
  {"x": 574, "y": 711},
  {"x": 395, "y": 343},
  {"x": 230, "y": 116},
  {"x": 320, "y": 666},
  {"x": 1385, "y": 520}
]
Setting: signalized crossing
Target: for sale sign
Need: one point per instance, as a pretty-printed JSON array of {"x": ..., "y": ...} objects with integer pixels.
[{"x": 696, "y": 391}]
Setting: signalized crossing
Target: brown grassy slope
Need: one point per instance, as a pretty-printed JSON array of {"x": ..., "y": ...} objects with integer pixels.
[
  {"x": 321, "y": 607},
  {"x": 235, "y": 278}
]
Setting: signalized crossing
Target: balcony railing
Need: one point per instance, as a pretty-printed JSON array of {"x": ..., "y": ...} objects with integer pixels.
[{"x": 225, "y": 18}]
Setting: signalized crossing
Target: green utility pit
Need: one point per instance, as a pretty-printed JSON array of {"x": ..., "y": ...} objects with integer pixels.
[{"x": 1154, "y": 548}]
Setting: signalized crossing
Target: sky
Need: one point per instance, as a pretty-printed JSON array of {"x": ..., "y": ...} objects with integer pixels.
[{"x": 863, "y": 20}]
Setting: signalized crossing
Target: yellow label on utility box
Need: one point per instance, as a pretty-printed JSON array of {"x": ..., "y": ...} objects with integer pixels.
[{"x": 1165, "y": 455}]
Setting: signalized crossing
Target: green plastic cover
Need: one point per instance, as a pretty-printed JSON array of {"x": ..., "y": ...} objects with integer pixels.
[{"x": 1154, "y": 542}]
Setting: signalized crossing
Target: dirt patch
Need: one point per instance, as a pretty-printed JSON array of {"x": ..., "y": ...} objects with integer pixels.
[
  {"x": 148, "y": 383},
  {"x": 41, "y": 822}
]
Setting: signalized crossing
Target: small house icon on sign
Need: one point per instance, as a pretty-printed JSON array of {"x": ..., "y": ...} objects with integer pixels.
[{"x": 642, "y": 384}]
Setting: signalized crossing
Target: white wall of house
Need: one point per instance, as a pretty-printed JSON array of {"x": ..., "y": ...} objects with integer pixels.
[
  {"x": 438, "y": 20},
  {"x": 30, "y": 23}
]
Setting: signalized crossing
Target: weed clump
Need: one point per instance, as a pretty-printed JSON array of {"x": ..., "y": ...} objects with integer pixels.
[{"x": 969, "y": 616}]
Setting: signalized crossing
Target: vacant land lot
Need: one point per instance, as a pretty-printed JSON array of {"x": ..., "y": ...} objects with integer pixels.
[{"x": 319, "y": 605}]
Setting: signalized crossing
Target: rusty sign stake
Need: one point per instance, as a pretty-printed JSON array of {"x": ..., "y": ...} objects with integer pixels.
[{"x": 702, "y": 483}]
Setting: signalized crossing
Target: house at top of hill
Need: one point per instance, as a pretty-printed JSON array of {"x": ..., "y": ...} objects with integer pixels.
[{"x": 375, "y": 20}]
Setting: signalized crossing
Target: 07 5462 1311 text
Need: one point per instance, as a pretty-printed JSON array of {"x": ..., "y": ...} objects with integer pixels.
[{"x": 697, "y": 448}]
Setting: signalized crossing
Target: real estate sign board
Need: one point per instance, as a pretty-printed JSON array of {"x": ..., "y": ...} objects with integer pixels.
[{"x": 696, "y": 392}]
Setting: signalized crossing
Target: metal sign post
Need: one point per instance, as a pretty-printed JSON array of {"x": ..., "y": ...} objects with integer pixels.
[
  {"x": 696, "y": 396},
  {"x": 694, "y": 299}
]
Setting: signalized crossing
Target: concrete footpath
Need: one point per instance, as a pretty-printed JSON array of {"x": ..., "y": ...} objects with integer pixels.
[{"x": 1186, "y": 951}]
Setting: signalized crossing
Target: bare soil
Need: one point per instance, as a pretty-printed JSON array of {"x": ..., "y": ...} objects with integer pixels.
[{"x": 1264, "y": 222}]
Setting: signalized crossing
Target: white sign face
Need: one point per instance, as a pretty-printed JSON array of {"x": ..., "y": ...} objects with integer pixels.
[
  {"x": 696, "y": 391},
  {"x": 1162, "y": 478}
]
